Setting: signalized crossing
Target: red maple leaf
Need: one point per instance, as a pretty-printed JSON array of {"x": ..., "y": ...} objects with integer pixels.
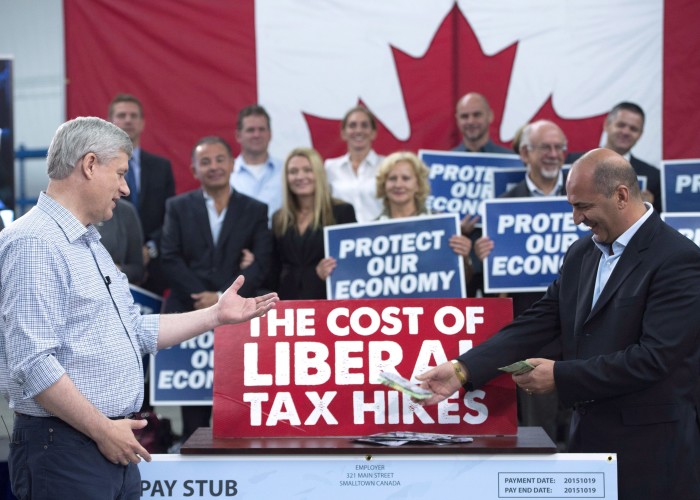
[{"x": 453, "y": 65}]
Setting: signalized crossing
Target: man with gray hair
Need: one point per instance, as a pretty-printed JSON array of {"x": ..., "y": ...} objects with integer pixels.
[
  {"x": 72, "y": 338},
  {"x": 542, "y": 149}
]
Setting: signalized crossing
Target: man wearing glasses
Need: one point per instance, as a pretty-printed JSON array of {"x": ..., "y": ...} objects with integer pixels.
[{"x": 543, "y": 150}]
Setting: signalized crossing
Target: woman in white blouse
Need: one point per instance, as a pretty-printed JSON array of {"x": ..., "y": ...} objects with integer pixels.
[{"x": 352, "y": 176}]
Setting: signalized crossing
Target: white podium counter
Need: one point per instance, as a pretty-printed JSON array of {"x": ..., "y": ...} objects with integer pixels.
[{"x": 491, "y": 467}]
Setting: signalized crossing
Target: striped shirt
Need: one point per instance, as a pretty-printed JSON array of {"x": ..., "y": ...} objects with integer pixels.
[{"x": 57, "y": 316}]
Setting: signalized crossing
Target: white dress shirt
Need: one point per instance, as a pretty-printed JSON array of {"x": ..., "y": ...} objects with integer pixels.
[{"x": 360, "y": 190}]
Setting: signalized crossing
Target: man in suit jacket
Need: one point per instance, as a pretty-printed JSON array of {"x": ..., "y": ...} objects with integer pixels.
[
  {"x": 210, "y": 236},
  {"x": 623, "y": 128},
  {"x": 626, "y": 311},
  {"x": 151, "y": 182},
  {"x": 474, "y": 117},
  {"x": 542, "y": 149}
]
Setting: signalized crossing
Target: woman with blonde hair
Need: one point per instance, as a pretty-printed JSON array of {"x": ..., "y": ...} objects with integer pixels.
[
  {"x": 297, "y": 227},
  {"x": 403, "y": 186}
]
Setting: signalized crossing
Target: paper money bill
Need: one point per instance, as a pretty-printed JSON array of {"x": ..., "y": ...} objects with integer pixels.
[
  {"x": 517, "y": 368},
  {"x": 403, "y": 385}
]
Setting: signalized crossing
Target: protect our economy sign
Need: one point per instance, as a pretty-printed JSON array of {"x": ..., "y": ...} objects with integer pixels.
[
  {"x": 531, "y": 236},
  {"x": 182, "y": 374},
  {"x": 408, "y": 257},
  {"x": 459, "y": 181}
]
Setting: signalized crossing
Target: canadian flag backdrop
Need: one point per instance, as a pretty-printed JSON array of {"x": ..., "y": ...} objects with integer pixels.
[{"x": 195, "y": 63}]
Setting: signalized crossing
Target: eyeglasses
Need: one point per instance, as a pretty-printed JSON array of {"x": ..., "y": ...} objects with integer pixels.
[{"x": 546, "y": 148}]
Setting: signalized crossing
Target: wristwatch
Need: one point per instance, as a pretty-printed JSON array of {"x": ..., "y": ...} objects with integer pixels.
[{"x": 459, "y": 371}]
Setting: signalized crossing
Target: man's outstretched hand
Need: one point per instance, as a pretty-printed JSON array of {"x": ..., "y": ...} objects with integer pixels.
[{"x": 232, "y": 308}]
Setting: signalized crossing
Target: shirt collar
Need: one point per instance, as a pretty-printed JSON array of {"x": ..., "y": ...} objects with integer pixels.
[
  {"x": 209, "y": 198},
  {"x": 240, "y": 162},
  {"x": 371, "y": 158},
  {"x": 619, "y": 245},
  {"x": 69, "y": 224},
  {"x": 535, "y": 191}
]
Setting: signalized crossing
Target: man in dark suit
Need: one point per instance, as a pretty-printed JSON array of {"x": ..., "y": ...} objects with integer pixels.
[
  {"x": 210, "y": 236},
  {"x": 623, "y": 128},
  {"x": 542, "y": 149},
  {"x": 474, "y": 117},
  {"x": 151, "y": 182},
  {"x": 626, "y": 312}
]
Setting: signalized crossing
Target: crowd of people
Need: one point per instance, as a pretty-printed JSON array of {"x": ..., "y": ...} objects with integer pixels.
[
  {"x": 602, "y": 343},
  {"x": 351, "y": 178}
]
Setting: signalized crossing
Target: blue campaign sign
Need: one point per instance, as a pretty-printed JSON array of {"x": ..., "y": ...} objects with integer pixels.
[
  {"x": 148, "y": 302},
  {"x": 505, "y": 179},
  {"x": 686, "y": 223},
  {"x": 7, "y": 216},
  {"x": 460, "y": 181},
  {"x": 408, "y": 257},
  {"x": 184, "y": 374},
  {"x": 680, "y": 185},
  {"x": 642, "y": 182},
  {"x": 531, "y": 236}
]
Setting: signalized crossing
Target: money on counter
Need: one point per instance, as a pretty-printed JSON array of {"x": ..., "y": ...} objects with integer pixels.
[{"x": 400, "y": 438}]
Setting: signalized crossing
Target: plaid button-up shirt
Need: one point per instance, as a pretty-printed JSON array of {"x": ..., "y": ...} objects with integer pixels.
[{"x": 57, "y": 315}]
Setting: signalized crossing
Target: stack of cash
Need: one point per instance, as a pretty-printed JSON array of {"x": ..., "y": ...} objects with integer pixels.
[{"x": 518, "y": 368}]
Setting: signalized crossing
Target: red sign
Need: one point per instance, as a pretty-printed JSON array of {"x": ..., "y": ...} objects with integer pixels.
[{"x": 310, "y": 368}]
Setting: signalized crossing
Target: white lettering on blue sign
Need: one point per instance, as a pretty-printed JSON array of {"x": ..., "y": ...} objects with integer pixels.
[
  {"x": 391, "y": 244},
  {"x": 536, "y": 223},
  {"x": 453, "y": 173},
  {"x": 685, "y": 181}
]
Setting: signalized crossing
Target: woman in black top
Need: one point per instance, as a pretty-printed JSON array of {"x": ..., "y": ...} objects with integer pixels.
[{"x": 307, "y": 207}]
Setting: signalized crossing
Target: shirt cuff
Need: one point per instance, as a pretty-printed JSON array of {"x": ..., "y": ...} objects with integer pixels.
[
  {"x": 150, "y": 326},
  {"x": 43, "y": 375}
]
